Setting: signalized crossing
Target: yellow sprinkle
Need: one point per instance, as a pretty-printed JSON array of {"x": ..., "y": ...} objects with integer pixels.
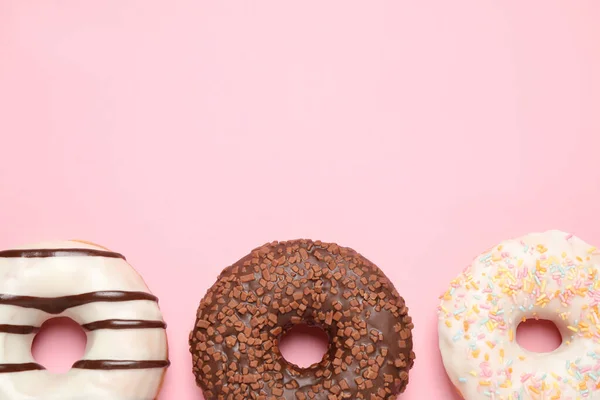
[
  {"x": 490, "y": 344},
  {"x": 534, "y": 389},
  {"x": 511, "y": 335},
  {"x": 522, "y": 358},
  {"x": 448, "y": 324},
  {"x": 474, "y": 373},
  {"x": 486, "y": 357},
  {"x": 572, "y": 328},
  {"x": 485, "y": 383},
  {"x": 475, "y": 353}
]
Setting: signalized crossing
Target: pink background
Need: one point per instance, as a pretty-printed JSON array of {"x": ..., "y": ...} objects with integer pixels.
[{"x": 185, "y": 133}]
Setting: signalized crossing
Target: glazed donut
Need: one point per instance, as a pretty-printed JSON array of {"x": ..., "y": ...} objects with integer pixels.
[
  {"x": 126, "y": 354},
  {"x": 551, "y": 276},
  {"x": 234, "y": 343}
]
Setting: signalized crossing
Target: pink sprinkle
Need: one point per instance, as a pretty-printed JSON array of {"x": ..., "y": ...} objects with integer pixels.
[
  {"x": 485, "y": 369},
  {"x": 525, "y": 377},
  {"x": 569, "y": 236}
]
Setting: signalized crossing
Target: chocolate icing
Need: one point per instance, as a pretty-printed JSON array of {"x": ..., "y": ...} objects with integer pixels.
[
  {"x": 120, "y": 364},
  {"x": 123, "y": 324},
  {"x": 18, "y": 329},
  {"x": 56, "y": 305},
  {"x": 46, "y": 253},
  {"x": 241, "y": 319}
]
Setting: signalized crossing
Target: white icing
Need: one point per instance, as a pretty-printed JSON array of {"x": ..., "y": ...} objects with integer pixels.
[
  {"x": 72, "y": 275},
  {"x": 552, "y": 276}
]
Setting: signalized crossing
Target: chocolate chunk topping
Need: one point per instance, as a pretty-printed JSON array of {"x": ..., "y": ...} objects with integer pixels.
[{"x": 241, "y": 319}]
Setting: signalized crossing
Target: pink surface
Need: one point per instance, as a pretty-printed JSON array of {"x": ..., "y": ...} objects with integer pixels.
[{"x": 184, "y": 135}]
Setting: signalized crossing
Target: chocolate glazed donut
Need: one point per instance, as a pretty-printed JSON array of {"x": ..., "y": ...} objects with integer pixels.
[{"x": 234, "y": 343}]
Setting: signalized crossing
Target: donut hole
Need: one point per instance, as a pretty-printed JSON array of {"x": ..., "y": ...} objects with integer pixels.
[
  {"x": 59, "y": 343},
  {"x": 538, "y": 335},
  {"x": 304, "y": 345}
]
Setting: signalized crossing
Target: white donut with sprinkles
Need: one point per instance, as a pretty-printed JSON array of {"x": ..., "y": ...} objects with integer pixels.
[
  {"x": 126, "y": 354},
  {"x": 552, "y": 276}
]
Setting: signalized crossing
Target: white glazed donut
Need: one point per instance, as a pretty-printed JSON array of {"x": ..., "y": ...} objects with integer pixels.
[
  {"x": 126, "y": 354},
  {"x": 552, "y": 276}
]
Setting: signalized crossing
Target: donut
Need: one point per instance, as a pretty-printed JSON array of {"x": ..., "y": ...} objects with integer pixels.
[
  {"x": 234, "y": 343},
  {"x": 126, "y": 353},
  {"x": 551, "y": 276}
]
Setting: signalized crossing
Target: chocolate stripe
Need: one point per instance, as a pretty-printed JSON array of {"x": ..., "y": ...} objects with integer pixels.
[
  {"x": 7, "y": 368},
  {"x": 46, "y": 253},
  {"x": 120, "y": 364},
  {"x": 56, "y": 305},
  {"x": 123, "y": 324},
  {"x": 18, "y": 329}
]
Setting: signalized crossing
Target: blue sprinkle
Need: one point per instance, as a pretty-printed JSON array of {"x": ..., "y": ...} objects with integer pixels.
[{"x": 458, "y": 335}]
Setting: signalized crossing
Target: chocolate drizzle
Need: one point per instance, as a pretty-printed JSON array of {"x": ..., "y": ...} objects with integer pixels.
[
  {"x": 47, "y": 253},
  {"x": 8, "y": 368},
  {"x": 56, "y": 305},
  {"x": 120, "y": 364},
  {"x": 114, "y": 324},
  {"x": 105, "y": 365},
  {"x": 123, "y": 324},
  {"x": 18, "y": 329}
]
